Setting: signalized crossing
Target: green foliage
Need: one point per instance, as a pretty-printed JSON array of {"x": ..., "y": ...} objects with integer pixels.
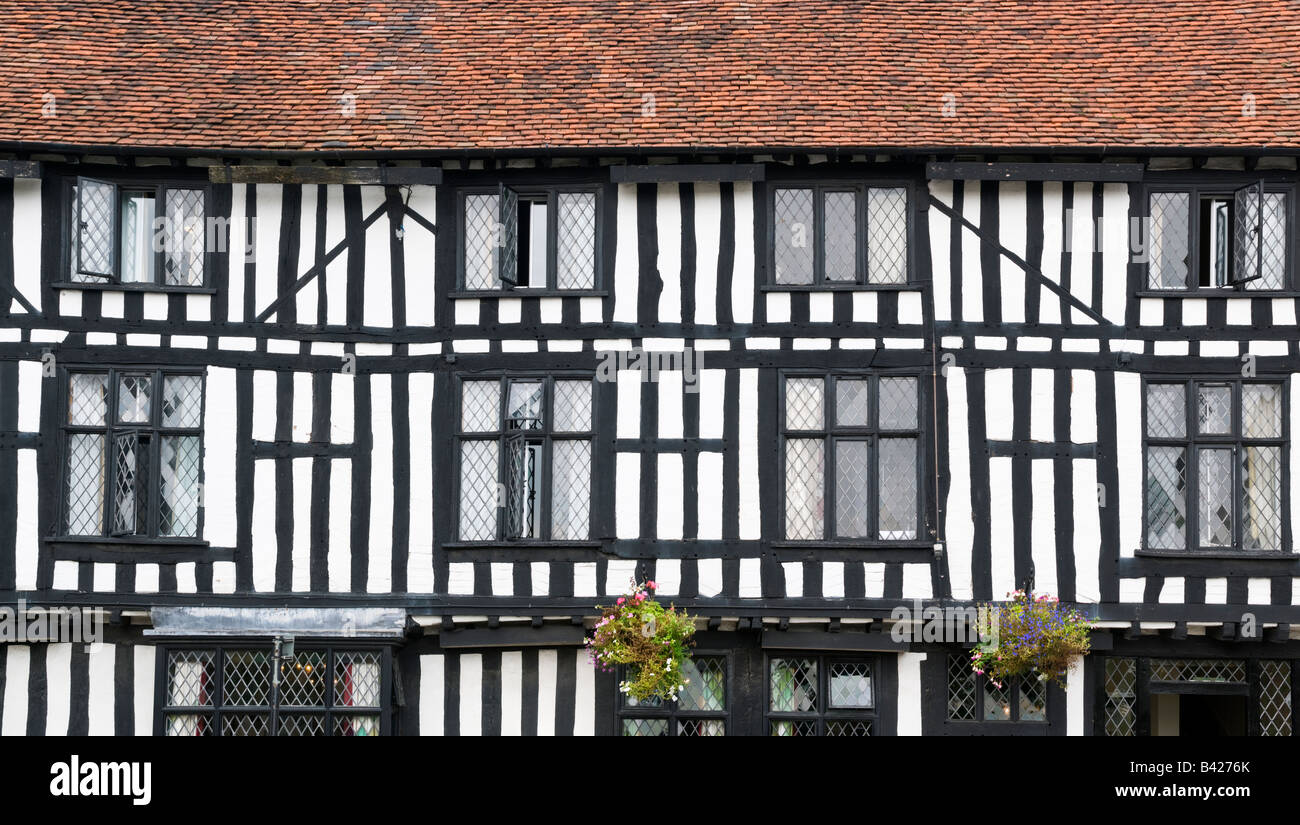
[
  {"x": 1035, "y": 637},
  {"x": 652, "y": 641}
]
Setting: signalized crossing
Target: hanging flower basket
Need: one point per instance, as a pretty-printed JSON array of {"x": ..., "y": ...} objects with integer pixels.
[
  {"x": 652, "y": 641},
  {"x": 1034, "y": 637}
]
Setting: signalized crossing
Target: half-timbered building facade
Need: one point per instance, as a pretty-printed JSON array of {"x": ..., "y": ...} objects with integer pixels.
[{"x": 418, "y": 370}]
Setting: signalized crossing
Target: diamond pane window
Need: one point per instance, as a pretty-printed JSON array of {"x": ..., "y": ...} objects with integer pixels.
[
  {"x": 191, "y": 678},
  {"x": 185, "y": 238},
  {"x": 529, "y": 441},
  {"x": 793, "y": 235},
  {"x": 1169, "y": 255},
  {"x": 973, "y": 698},
  {"x": 137, "y": 473},
  {"x": 1121, "y": 697},
  {"x": 96, "y": 219},
  {"x": 961, "y": 689},
  {"x": 246, "y": 678},
  {"x": 1228, "y": 471},
  {"x": 480, "y": 242},
  {"x": 576, "y": 241},
  {"x": 1210, "y": 237},
  {"x": 886, "y": 236},
  {"x": 852, "y": 451},
  {"x": 820, "y": 696},
  {"x": 840, "y": 242},
  {"x": 530, "y": 238},
  {"x": 700, "y": 709},
  {"x": 304, "y": 680},
  {"x": 1275, "y": 698},
  {"x": 1198, "y": 670}
]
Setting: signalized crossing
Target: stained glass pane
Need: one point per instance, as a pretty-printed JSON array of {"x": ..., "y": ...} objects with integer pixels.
[
  {"x": 1167, "y": 410},
  {"x": 792, "y": 235},
  {"x": 805, "y": 477}
]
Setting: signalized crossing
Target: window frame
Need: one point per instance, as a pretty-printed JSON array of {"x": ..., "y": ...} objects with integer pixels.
[
  {"x": 831, "y": 435},
  {"x": 110, "y": 429},
  {"x": 820, "y": 187},
  {"x": 533, "y": 191},
  {"x": 159, "y": 187},
  {"x": 1194, "y": 441},
  {"x": 1013, "y": 688},
  {"x": 501, "y": 436},
  {"x": 824, "y": 713},
  {"x": 1197, "y": 189},
  {"x": 222, "y": 645},
  {"x": 671, "y": 712}
]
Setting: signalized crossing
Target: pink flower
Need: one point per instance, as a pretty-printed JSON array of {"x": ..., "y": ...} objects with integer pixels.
[
  {"x": 640, "y": 596},
  {"x": 620, "y": 600},
  {"x": 651, "y": 585}
]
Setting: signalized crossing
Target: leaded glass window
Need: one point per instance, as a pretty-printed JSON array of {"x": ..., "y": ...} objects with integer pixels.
[
  {"x": 233, "y": 691},
  {"x": 1216, "y": 458},
  {"x": 852, "y": 451},
  {"x": 530, "y": 239},
  {"x": 809, "y": 695},
  {"x": 973, "y": 697},
  {"x": 133, "y": 453},
  {"x": 839, "y": 234},
  {"x": 137, "y": 234},
  {"x": 700, "y": 710},
  {"x": 1210, "y": 237},
  {"x": 525, "y": 458}
]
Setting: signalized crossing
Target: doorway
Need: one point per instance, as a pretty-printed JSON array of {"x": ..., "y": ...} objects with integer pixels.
[{"x": 1198, "y": 714}]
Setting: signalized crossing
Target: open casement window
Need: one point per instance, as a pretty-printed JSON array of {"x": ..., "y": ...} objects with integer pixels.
[
  {"x": 700, "y": 710},
  {"x": 836, "y": 235},
  {"x": 133, "y": 454},
  {"x": 809, "y": 695},
  {"x": 537, "y": 239},
  {"x": 973, "y": 697},
  {"x": 525, "y": 459},
  {"x": 1216, "y": 465},
  {"x": 852, "y": 453},
  {"x": 231, "y": 692},
  {"x": 1206, "y": 238},
  {"x": 141, "y": 234}
]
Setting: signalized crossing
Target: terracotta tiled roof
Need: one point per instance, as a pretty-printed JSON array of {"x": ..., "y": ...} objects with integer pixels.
[{"x": 220, "y": 74}]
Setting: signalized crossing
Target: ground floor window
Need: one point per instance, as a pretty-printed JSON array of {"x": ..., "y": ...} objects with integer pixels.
[
  {"x": 973, "y": 697},
  {"x": 700, "y": 709},
  {"x": 820, "y": 696},
  {"x": 1196, "y": 696},
  {"x": 232, "y": 691}
]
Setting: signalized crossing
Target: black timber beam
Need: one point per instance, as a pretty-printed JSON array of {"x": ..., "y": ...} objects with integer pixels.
[
  {"x": 514, "y": 636},
  {"x": 825, "y": 640},
  {"x": 686, "y": 172},
  {"x": 1117, "y": 172},
  {"x": 20, "y": 169},
  {"x": 374, "y": 175}
]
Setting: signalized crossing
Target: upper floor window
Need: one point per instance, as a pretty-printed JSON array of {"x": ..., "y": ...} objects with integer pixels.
[
  {"x": 133, "y": 453},
  {"x": 529, "y": 239},
  {"x": 144, "y": 234},
  {"x": 1215, "y": 464},
  {"x": 858, "y": 437},
  {"x": 839, "y": 234},
  {"x": 820, "y": 696},
  {"x": 525, "y": 459},
  {"x": 1207, "y": 237},
  {"x": 700, "y": 710},
  {"x": 230, "y": 692}
]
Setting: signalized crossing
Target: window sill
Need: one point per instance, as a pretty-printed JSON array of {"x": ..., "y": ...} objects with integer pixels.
[
  {"x": 142, "y": 541},
  {"x": 1217, "y": 293},
  {"x": 907, "y": 287},
  {"x": 1224, "y": 555},
  {"x": 529, "y": 293},
  {"x": 505, "y": 544},
  {"x": 108, "y": 287}
]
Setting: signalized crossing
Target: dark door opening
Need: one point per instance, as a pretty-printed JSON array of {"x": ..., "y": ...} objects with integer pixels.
[{"x": 1200, "y": 715}]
